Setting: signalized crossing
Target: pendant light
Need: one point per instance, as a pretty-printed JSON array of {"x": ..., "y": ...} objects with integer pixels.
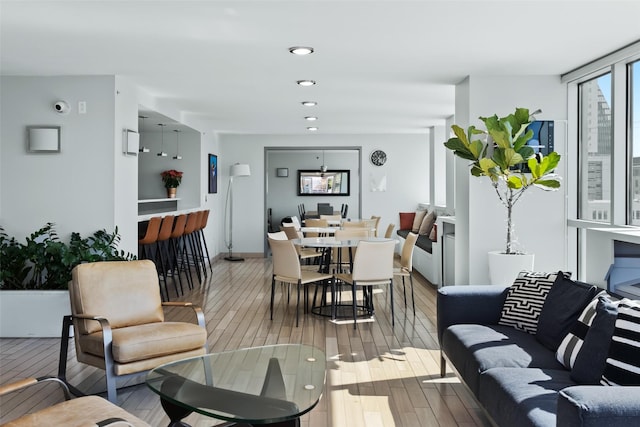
[
  {"x": 162, "y": 153},
  {"x": 323, "y": 167},
  {"x": 142, "y": 148},
  {"x": 177, "y": 156}
]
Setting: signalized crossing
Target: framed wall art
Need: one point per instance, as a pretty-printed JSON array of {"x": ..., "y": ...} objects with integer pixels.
[{"x": 212, "y": 169}]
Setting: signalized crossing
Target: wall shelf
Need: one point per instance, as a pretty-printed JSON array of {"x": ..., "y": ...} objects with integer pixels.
[{"x": 150, "y": 206}]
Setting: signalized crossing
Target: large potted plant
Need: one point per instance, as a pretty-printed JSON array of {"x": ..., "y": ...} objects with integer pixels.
[
  {"x": 34, "y": 277},
  {"x": 499, "y": 154}
]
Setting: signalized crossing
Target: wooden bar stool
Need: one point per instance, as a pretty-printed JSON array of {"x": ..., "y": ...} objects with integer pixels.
[
  {"x": 177, "y": 242},
  {"x": 148, "y": 246},
  {"x": 165, "y": 259},
  {"x": 204, "y": 217},
  {"x": 190, "y": 250}
]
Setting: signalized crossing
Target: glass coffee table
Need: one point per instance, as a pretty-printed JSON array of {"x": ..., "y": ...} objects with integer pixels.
[{"x": 270, "y": 385}]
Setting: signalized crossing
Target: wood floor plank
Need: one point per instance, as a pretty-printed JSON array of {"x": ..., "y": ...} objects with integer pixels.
[{"x": 377, "y": 374}]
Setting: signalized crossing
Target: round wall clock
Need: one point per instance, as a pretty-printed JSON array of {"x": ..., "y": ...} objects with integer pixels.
[{"x": 378, "y": 157}]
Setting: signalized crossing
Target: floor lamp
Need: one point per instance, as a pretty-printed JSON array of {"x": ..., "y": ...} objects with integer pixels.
[{"x": 236, "y": 170}]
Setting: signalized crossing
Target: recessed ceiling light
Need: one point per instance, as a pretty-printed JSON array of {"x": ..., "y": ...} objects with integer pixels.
[
  {"x": 312, "y": 128},
  {"x": 311, "y": 118},
  {"x": 309, "y": 103},
  {"x": 301, "y": 50},
  {"x": 306, "y": 82}
]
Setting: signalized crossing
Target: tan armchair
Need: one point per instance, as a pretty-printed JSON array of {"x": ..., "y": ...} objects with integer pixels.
[
  {"x": 84, "y": 411},
  {"x": 119, "y": 322}
]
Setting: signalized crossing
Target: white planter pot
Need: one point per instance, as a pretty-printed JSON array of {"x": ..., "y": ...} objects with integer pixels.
[
  {"x": 503, "y": 268},
  {"x": 33, "y": 314}
]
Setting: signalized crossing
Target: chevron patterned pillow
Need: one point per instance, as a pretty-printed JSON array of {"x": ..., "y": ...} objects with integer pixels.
[{"x": 525, "y": 299}]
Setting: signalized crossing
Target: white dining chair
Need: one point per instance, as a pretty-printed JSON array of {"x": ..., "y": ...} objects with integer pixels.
[
  {"x": 372, "y": 265},
  {"x": 286, "y": 269}
]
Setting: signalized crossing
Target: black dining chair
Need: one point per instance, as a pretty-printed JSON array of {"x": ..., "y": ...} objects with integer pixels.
[{"x": 325, "y": 209}]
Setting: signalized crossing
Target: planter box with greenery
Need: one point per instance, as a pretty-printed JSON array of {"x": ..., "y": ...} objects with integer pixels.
[{"x": 34, "y": 277}]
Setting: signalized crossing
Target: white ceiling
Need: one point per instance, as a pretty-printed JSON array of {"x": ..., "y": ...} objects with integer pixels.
[{"x": 380, "y": 66}]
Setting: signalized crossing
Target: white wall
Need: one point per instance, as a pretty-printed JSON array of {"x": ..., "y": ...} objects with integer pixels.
[
  {"x": 282, "y": 193},
  {"x": 150, "y": 185},
  {"x": 90, "y": 184},
  {"x": 125, "y": 191},
  {"x": 406, "y": 170},
  {"x": 539, "y": 217},
  {"x": 74, "y": 188}
]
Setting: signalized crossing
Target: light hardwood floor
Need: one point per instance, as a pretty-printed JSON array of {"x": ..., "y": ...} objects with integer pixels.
[{"x": 376, "y": 375}]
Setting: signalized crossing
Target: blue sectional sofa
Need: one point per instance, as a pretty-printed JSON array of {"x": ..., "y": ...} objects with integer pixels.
[{"x": 516, "y": 379}]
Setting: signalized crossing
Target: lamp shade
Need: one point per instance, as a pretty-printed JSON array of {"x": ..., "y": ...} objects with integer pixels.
[{"x": 240, "y": 170}]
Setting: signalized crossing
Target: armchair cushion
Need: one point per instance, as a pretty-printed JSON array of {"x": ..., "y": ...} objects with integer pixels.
[
  {"x": 148, "y": 341},
  {"x": 104, "y": 284}
]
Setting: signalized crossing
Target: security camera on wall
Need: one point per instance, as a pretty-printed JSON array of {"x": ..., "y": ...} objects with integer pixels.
[{"x": 61, "y": 107}]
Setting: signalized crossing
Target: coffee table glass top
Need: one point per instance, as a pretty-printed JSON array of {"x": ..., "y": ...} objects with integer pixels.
[{"x": 256, "y": 385}]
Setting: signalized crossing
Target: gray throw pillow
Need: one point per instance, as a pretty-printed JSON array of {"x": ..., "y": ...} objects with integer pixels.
[{"x": 562, "y": 307}]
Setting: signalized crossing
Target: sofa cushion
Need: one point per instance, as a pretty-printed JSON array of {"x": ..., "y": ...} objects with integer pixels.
[
  {"x": 525, "y": 299},
  {"x": 561, "y": 309},
  {"x": 623, "y": 364},
  {"x": 473, "y": 349},
  {"x": 590, "y": 361},
  {"x": 522, "y": 397},
  {"x": 427, "y": 223},
  {"x": 417, "y": 220},
  {"x": 571, "y": 344},
  {"x": 406, "y": 220}
]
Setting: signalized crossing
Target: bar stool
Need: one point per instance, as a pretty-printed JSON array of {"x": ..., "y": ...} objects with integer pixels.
[
  {"x": 204, "y": 217},
  {"x": 166, "y": 261},
  {"x": 177, "y": 242},
  {"x": 149, "y": 242},
  {"x": 190, "y": 250}
]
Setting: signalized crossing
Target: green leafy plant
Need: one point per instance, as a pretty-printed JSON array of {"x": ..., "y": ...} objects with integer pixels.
[
  {"x": 501, "y": 157},
  {"x": 45, "y": 262}
]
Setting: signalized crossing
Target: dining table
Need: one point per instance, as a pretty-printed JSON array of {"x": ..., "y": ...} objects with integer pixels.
[{"x": 328, "y": 244}]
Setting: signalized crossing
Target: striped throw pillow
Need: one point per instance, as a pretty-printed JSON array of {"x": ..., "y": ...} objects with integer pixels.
[
  {"x": 572, "y": 343},
  {"x": 525, "y": 299},
  {"x": 623, "y": 364}
]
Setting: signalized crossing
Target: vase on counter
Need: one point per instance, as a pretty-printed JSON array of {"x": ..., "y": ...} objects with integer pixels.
[{"x": 171, "y": 192}]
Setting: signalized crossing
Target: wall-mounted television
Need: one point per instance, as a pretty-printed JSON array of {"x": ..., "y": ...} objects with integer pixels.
[{"x": 329, "y": 183}]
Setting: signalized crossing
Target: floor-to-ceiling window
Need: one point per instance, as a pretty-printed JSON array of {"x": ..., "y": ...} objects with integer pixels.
[
  {"x": 634, "y": 143},
  {"x": 604, "y": 123},
  {"x": 595, "y": 148}
]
